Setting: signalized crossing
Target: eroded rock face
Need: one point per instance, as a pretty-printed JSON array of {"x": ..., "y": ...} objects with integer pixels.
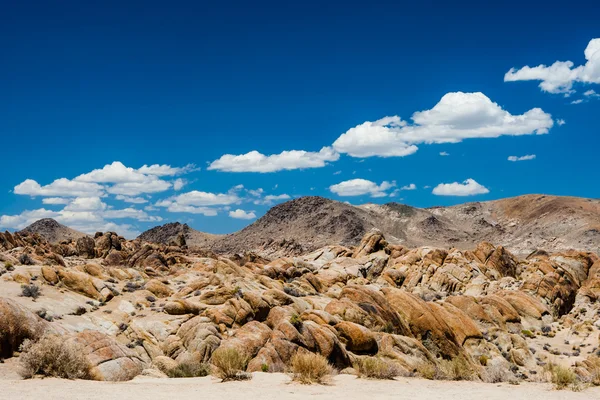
[
  {"x": 17, "y": 323},
  {"x": 111, "y": 360},
  {"x": 132, "y": 304}
]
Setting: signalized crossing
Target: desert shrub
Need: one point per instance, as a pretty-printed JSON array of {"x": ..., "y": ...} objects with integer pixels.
[
  {"x": 309, "y": 368},
  {"x": 562, "y": 377},
  {"x": 376, "y": 368},
  {"x": 264, "y": 367},
  {"x": 230, "y": 364},
  {"x": 25, "y": 259},
  {"x": 80, "y": 310},
  {"x": 296, "y": 321},
  {"x": 497, "y": 373},
  {"x": 44, "y": 314},
  {"x": 527, "y": 333},
  {"x": 189, "y": 369},
  {"x": 427, "y": 371},
  {"x": 32, "y": 291},
  {"x": 52, "y": 356},
  {"x": 594, "y": 368},
  {"x": 9, "y": 266},
  {"x": 457, "y": 369},
  {"x": 292, "y": 291},
  {"x": 483, "y": 360}
]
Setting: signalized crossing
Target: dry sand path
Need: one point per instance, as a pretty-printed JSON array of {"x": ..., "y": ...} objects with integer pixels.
[{"x": 276, "y": 386}]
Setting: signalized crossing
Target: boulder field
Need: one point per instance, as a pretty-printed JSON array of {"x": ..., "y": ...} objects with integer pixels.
[{"x": 135, "y": 306}]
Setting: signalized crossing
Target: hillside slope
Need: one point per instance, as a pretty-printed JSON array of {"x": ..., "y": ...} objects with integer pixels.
[
  {"x": 52, "y": 231},
  {"x": 170, "y": 232},
  {"x": 522, "y": 224}
]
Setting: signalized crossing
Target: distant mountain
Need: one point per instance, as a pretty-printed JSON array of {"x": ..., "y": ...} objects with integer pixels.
[
  {"x": 52, "y": 231},
  {"x": 169, "y": 233},
  {"x": 522, "y": 224}
]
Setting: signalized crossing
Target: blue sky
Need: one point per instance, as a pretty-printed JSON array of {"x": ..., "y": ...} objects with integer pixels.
[{"x": 92, "y": 93}]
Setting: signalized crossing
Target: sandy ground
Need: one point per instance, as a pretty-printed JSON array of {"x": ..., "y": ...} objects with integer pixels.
[{"x": 271, "y": 386}]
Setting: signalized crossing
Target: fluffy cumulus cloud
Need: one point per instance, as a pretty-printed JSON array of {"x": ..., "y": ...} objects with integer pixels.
[
  {"x": 61, "y": 187},
  {"x": 412, "y": 186},
  {"x": 457, "y": 116},
  {"x": 287, "y": 160},
  {"x": 87, "y": 214},
  {"x": 360, "y": 187},
  {"x": 467, "y": 188},
  {"x": 561, "y": 75},
  {"x": 241, "y": 214},
  {"x": 84, "y": 198},
  {"x": 522, "y": 158}
]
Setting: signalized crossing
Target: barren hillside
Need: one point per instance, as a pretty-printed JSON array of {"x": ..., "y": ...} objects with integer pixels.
[
  {"x": 52, "y": 231},
  {"x": 522, "y": 224}
]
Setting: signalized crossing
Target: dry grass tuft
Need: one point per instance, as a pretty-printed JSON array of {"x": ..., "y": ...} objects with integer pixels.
[
  {"x": 189, "y": 369},
  {"x": 51, "y": 356},
  {"x": 376, "y": 368},
  {"x": 230, "y": 364},
  {"x": 309, "y": 368},
  {"x": 457, "y": 369},
  {"x": 563, "y": 377}
]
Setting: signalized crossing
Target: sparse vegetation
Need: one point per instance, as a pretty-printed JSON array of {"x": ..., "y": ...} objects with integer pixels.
[
  {"x": 230, "y": 364},
  {"x": 497, "y": 373},
  {"x": 80, "y": 310},
  {"x": 189, "y": 369},
  {"x": 562, "y": 377},
  {"x": 52, "y": 356},
  {"x": 264, "y": 368},
  {"x": 31, "y": 290},
  {"x": 309, "y": 368},
  {"x": 457, "y": 369},
  {"x": 376, "y": 368},
  {"x": 25, "y": 259},
  {"x": 296, "y": 321},
  {"x": 483, "y": 360},
  {"x": 527, "y": 333},
  {"x": 427, "y": 370},
  {"x": 9, "y": 266}
]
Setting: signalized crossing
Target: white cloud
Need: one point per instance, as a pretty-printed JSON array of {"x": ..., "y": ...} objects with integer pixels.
[
  {"x": 457, "y": 116},
  {"x": 132, "y": 200},
  {"x": 178, "y": 184},
  {"x": 578, "y": 101},
  {"x": 272, "y": 199},
  {"x": 522, "y": 158},
  {"x": 444, "y": 154},
  {"x": 113, "y": 173},
  {"x": 359, "y": 187},
  {"x": 27, "y": 217},
  {"x": 151, "y": 185},
  {"x": 560, "y": 76},
  {"x": 55, "y": 200},
  {"x": 166, "y": 170},
  {"x": 591, "y": 93},
  {"x": 287, "y": 160},
  {"x": 197, "y": 198},
  {"x": 61, "y": 187},
  {"x": 560, "y": 122},
  {"x": 241, "y": 214},
  {"x": 412, "y": 186},
  {"x": 174, "y": 207},
  {"x": 130, "y": 213},
  {"x": 468, "y": 188},
  {"x": 86, "y": 204}
]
